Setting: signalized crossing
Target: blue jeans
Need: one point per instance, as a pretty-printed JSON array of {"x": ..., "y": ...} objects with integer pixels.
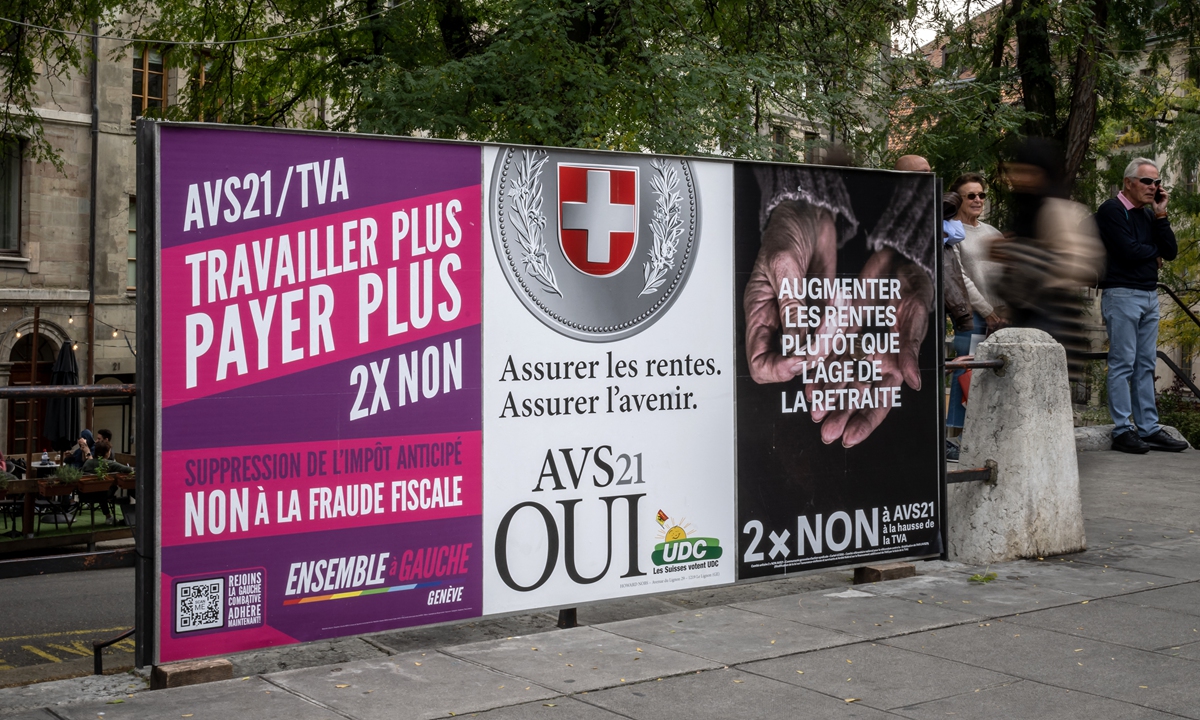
[
  {"x": 1132, "y": 320},
  {"x": 957, "y": 412}
]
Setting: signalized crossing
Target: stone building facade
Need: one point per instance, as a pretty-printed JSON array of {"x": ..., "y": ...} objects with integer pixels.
[{"x": 46, "y": 261}]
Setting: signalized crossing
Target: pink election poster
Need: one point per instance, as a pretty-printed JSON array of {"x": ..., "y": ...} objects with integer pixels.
[{"x": 319, "y": 329}]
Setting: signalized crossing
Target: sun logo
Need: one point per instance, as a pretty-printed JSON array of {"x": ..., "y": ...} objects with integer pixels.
[{"x": 675, "y": 530}]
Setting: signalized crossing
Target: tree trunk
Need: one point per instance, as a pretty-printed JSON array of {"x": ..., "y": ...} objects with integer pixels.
[
  {"x": 1036, "y": 66},
  {"x": 1082, "y": 120}
]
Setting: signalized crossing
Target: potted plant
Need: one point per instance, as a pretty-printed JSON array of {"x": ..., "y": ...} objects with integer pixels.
[
  {"x": 126, "y": 481},
  {"x": 64, "y": 481},
  {"x": 5, "y": 479},
  {"x": 101, "y": 481}
]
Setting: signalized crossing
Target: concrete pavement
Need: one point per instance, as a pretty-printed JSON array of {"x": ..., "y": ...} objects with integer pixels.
[{"x": 1107, "y": 633}]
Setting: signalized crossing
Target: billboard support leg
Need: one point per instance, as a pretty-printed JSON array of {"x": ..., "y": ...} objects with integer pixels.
[{"x": 567, "y": 618}]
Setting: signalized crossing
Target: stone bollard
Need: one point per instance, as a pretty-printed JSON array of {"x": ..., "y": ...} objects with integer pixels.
[{"x": 1021, "y": 418}]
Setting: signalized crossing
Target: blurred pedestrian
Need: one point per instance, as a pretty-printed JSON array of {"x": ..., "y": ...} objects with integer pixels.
[{"x": 1051, "y": 252}]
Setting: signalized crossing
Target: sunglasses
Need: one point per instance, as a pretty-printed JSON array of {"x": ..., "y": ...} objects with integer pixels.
[
  {"x": 1150, "y": 181},
  {"x": 974, "y": 196}
]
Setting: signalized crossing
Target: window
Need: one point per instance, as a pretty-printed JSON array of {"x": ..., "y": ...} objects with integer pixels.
[
  {"x": 10, "y": 195},
  {"x": 131, "y": 242},
  {"x": 149, "y": 82},
  {"x": 780, "y": 137}
]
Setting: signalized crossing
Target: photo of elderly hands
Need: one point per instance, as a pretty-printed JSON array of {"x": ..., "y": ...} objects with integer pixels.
[{"x": 807, "y": 219}]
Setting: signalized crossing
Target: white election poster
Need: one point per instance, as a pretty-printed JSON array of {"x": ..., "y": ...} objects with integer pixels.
[{"x": 608, "y": 396}]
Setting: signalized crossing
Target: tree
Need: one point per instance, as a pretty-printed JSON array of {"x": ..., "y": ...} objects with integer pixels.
[
  {"x": 34, "y": 60},
  {"x": 668, "y": 75}
]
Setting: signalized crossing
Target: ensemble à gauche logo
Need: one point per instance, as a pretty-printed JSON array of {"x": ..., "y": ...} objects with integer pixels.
[
  {"x": 596, "y": 251},
  {"x": 680, "y": 543}
]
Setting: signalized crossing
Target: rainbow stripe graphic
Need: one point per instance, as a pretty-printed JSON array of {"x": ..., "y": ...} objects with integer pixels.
[{"x": 360, "y": 593}]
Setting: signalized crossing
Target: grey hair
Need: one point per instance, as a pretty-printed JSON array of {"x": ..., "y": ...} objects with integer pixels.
[{"x": 1131, "y": 169}]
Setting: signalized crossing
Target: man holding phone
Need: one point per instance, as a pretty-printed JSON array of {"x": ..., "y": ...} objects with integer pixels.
[{"x": 1137, "y": 236}]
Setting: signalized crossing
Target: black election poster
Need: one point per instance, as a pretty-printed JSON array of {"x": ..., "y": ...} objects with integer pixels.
[{"x": 837, "y": 387}]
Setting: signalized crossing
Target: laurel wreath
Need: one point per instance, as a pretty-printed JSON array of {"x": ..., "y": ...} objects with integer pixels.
[
  {"x": 529, "y": 220},
  {"x": 666, "y": 226}
]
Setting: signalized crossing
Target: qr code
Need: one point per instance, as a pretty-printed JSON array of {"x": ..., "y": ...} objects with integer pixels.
[{"x": 199, "y": 605}]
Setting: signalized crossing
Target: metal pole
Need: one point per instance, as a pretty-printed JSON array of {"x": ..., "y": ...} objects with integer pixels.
[
  {"x": 90, "y": 376},
  {"x": 30, "y": 420}
]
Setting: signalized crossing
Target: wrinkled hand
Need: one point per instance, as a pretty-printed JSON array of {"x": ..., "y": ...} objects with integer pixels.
[
  {"x": 995, "y": 322},
  {"x": 912, "y": 320},
  {"x": 797, "y": 244}
]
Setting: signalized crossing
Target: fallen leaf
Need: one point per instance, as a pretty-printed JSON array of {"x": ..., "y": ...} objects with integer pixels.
[
  {"x": 417, "y": 664},
  {"x": 115, "y": 702},
  {"x": 800, "y": 672},
  {"x": 772, "y": 642},
  {"x": 850, "y": 661},
  {"x": 549, "y": 705},
  {"x": 850, "y": 700},
  {"x": 639, "y": 649},
  {"x": 739, "y": 681},
  {"x": 341, "y": 686},
  {"x": 622, "y": 679},
  {"x": 1079, "y": 650},
  {"x": 1144, "y": 687}
]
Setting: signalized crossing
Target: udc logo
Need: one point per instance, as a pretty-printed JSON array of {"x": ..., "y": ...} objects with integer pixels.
[{"x": 596, "y": 251}]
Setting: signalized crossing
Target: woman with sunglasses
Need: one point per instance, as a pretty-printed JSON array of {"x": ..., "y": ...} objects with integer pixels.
[{"x": 978, "y": 271}]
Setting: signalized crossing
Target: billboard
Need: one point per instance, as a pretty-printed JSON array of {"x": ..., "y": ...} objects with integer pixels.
[
  {"x": 319, "y": 326},
  {"x": 391, "y": 382},
  {"x": 608, "y": 366},
  {"x": 837, "y": 388}
]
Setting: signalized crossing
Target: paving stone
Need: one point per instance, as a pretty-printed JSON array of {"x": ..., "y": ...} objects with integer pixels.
[
  {"x": 883, "y": 677},
  {"x": 1177, "y": 560},
  {"x": 860, "y": 613},
  {"x": 1108, "y": 532},
  {"x": 425, "y": 685},
  {"x": 294, "y": 657},
  {"x": 72, "y": 690},
  {"x": 245, "y": 698},
  {"x": 728, "y": 635},
  {"x": 579, "y": 659},
  {"x": 1190, "y": 651},
  {"x": 1028, "y": 699},
  {"x": 560, "y": 708},
  {"x": 1084, "y": 579},
  {"x": 761, "y": 590},
  {"x": 1120, "y": 623},
  {"x": 1184, "y": 598},
  {"x": 957, "y": 592},
  {"x": 425, "y": 638},
  {"x": 727, "y": 693},
  {"x": 27, "y": 715},
  {"x": 1114, "y": 671}
]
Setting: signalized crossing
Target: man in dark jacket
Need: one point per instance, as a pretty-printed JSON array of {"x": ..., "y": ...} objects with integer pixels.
[{"x": 1136, "y": 234}]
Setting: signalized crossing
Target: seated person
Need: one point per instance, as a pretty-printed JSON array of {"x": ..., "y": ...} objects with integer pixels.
[
  {"x": 82, "y": 451},
  {"x": 103, "y": 453}
]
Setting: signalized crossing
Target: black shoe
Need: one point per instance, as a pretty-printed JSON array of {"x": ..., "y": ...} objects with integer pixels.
[
  {"x": 951, "y": 452},
  {"x": 1162, "y": 441},
  {"x": 1130, "y": 442}
]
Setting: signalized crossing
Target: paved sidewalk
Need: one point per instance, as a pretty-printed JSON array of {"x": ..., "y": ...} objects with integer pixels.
[{"x": 1113, "y": 632}]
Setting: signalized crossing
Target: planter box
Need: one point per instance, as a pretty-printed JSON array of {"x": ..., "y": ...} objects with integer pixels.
[
  {"x": 91, "y": 484},
  {"x": 48, "y": 489},
  {"x": 125, "y": 481}
]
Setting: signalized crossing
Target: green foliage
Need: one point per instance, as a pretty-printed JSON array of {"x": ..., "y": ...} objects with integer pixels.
[
  {"x": 65, "y": 474},
  {"x": 5, "y": 479},
  {"x": 982, "y": 578},
  {"x": 102, "y": 469},
  {"x": 1180, "y": 412},
  {"x": 33, "y": 62}
]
